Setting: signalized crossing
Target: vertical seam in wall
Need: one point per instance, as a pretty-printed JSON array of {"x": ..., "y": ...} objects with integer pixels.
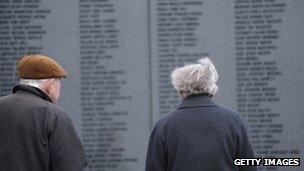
[{"x": 150, "y": 64}]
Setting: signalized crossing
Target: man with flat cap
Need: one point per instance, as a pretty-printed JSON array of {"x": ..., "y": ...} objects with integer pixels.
[{"x": 36, "y": 134}]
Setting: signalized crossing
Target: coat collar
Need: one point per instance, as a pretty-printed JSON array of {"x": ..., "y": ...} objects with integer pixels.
[
  {"x": 197, "y": 101},
  {"x": 26, "y": 89}
]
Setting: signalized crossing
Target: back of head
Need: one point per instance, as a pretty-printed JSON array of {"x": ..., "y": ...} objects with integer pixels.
[
  {"x": 42, "y": 72},
  {"x": 196, "y": 79}
]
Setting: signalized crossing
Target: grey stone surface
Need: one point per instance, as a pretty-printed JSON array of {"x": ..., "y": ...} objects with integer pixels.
[{"x": 120, "y": 54}]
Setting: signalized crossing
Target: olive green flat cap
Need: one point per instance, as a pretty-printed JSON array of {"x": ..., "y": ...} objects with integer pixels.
[{"x": 37, "y": 66}]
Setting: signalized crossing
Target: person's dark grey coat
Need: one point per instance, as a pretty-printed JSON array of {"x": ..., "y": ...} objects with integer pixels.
[
  {"x": 37, "y": 135},
  {"x": 199, "y": 136}
]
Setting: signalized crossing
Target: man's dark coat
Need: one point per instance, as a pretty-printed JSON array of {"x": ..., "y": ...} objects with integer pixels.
[
  {"x": 36, "y": 135},
  {"x": 199, "y": 136}
]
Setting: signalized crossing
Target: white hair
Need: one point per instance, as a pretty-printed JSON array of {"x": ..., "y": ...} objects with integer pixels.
[
  {"x": 195, "y": 79},
  {"x": 33, "y": 82}
]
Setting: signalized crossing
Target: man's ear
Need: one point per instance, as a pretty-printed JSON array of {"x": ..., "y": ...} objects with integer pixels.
[{"x": 48, "y": 86}]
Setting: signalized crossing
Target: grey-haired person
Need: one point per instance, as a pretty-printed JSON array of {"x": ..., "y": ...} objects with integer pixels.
[
  {"x": 35, "y": 133},
  {"x": 199, "y": 135}
]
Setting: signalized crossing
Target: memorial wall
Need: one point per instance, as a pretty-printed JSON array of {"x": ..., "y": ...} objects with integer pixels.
[{"x": 119, "y": 55}]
